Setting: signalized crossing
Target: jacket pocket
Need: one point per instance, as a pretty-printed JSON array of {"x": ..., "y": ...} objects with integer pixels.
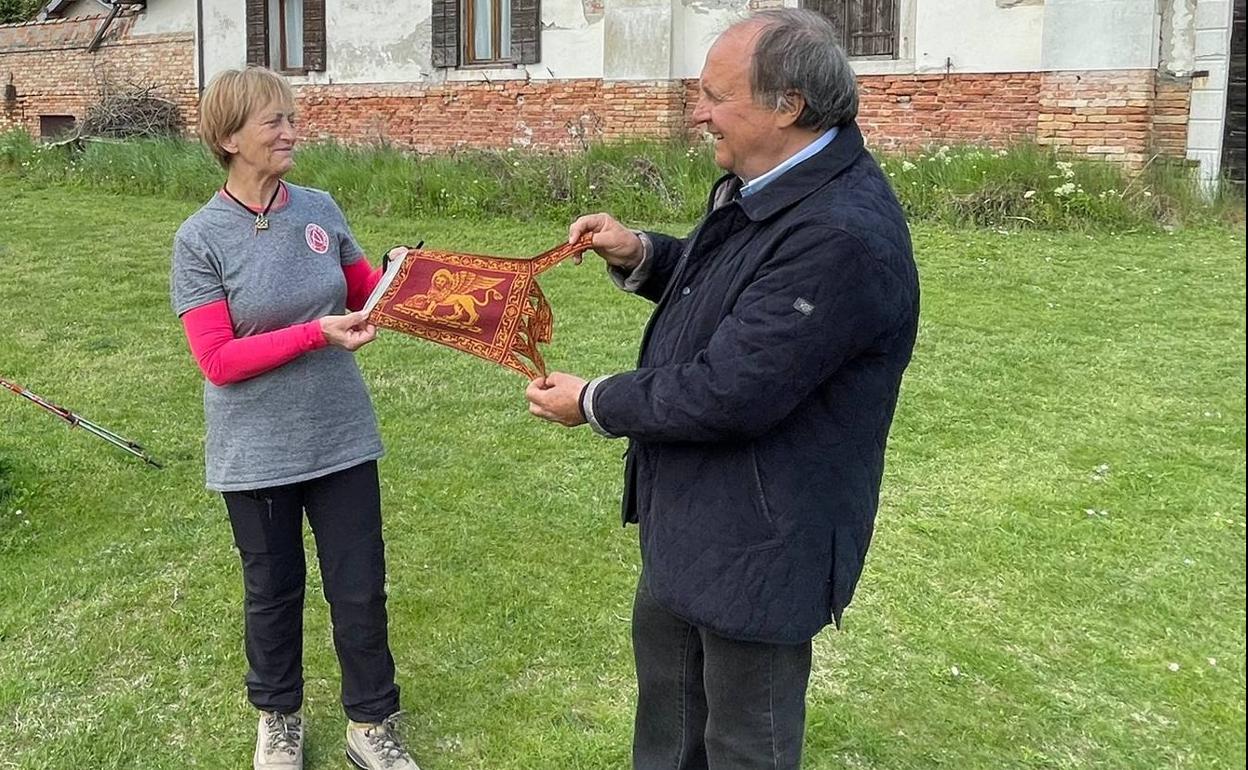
[
  {"x": 702, "y": 497},
  {"x": 766, "y": 519},
  {"x": 760, "y": 497}
]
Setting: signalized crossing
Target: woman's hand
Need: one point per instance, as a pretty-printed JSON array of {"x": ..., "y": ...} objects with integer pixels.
[{"x": 351, "y": 331}]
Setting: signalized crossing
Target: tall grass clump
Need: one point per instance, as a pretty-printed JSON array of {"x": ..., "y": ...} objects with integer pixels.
[
  {"x": 639, "y": 181},
  {"x": 1029, "y": 186},
  {"x": 1021, "y": 187}
]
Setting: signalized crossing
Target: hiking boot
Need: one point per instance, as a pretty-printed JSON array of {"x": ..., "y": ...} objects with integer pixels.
[
  {"x": 378, "y": 746},
  {"x": 279, "y": 742}
]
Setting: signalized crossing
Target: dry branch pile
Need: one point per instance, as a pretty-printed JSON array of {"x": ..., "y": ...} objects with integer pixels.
[{"x": 131, "y": 112}]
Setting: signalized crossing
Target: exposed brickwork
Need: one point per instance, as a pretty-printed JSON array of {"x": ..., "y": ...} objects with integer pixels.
[
  {"x": 1104, "y": 115},
  {"x": 55, "y": 75},
  {"x": 1101, "y": 114},
  {"x": 1172, "y": 105},
  {"x": 911, "y": 111},
  {"x": 562, "y": 115}
]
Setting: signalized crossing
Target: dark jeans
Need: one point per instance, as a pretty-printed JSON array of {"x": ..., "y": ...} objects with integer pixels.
[
  {"x": 344, "y": 510},
  {"x": 704, "y": 701}
]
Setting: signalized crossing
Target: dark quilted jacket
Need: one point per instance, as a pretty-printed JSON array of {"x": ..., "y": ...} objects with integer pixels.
[{"x": 761, "y": 404}]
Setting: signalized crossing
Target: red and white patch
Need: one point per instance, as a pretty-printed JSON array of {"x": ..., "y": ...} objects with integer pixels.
[{"x": 317, "y": 238}]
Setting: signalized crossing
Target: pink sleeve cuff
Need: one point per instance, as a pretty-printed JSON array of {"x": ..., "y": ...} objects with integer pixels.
[{"x": 225, "y": 359}]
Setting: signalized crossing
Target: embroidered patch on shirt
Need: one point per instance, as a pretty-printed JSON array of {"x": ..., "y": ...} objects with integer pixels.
[
  {"x": 317, "y": 238},
  {"x": 803, "y": 306}
]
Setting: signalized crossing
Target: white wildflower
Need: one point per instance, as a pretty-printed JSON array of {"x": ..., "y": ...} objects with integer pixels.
[
  {"x": 1029, "y": 195},
  {"x": 907, "y": 166},
  {"x": 1173, "y": 666}
]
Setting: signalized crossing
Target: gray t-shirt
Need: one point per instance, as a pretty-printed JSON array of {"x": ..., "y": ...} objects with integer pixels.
[{"x": 309, "y": 417}]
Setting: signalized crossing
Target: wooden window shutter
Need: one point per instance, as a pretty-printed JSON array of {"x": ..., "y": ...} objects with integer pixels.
[
  {"x": 526, "y": 31},
  {"x": 866, "y": 27},
  {"x": 445, "y": 20},
  {"x": 314, "y": 35},
  {"x": 837, "y": 11},
  {"x": 872, "y": 28},
  {"x": 257, "y": 20}
]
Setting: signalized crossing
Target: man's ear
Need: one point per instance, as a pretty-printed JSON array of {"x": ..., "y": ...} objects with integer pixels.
[{"x": 789, "y": 109}]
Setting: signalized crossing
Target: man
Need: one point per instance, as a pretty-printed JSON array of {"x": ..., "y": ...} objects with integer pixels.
[{"x": 758, "y": 413}]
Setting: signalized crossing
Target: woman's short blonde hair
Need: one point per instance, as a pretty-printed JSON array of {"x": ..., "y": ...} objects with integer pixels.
[{"x": 231, "y": 98}]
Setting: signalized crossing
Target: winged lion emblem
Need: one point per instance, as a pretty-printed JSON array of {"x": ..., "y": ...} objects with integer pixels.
[{"x": 456, "y": 291}]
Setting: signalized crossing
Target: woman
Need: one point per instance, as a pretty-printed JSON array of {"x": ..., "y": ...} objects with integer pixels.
[{"x": 262, "y": 276}]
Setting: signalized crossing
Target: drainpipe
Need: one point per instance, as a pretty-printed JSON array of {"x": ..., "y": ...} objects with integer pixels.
[{"x": 199, "y": 46}]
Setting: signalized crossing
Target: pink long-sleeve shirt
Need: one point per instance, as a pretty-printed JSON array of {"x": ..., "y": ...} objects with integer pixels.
[{"x": 225, "y": 359}]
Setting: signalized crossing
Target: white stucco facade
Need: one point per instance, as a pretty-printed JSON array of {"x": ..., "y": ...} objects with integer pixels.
[
  {"x": 388, "y": 41},
  {"x": 977, "y": 36}
]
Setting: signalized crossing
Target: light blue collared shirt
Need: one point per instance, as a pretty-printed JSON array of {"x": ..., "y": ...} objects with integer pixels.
[{"x": 758, "y": 183}]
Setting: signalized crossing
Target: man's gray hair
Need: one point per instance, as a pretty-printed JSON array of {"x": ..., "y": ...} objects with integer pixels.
[{"x": 797, "y": 50}]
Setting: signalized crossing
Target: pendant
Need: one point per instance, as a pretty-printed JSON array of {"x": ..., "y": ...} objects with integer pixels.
[{"x": 262, "y": 222}]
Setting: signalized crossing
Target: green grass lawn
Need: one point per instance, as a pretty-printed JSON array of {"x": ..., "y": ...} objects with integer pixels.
[{"x": 1057, "y": 581}]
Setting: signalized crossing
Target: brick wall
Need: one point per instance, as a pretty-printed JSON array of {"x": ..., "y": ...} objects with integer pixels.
[
  {"x": 1100, "y": 114},
  {"x": 562, "y": 115},
  {"x": 1172, "y": 105},
  {"x": 1116, "y": 116},
  {"x": 55, "y": 75},
  {"x": 912, "y": 111}
]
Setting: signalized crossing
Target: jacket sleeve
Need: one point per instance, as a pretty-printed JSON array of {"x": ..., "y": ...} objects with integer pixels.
[
  {"x": 664, "y": 258},
  {"x": 820, "y": 301}
]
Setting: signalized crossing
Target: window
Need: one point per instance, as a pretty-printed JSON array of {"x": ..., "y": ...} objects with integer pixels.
[
  {"x": 286, "y": 42},
  {"x": 489, "y": 31},
  {"x": 867, "y": 27},
  {"x": 486, "y": 32},
  {"x": 286, "y": 35},
  {"x": 56, "y": 126}
]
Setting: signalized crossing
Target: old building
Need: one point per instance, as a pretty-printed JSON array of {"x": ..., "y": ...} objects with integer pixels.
[{"x": 1117, "y": 79}]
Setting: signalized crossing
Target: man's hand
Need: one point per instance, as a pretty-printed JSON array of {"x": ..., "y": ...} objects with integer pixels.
[
  {"x": 557, "y": 398},
  {"x": 614, "y": 242},
  {"x": 351, "y": 331}
]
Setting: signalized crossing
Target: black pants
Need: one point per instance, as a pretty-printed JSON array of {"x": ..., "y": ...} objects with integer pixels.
[
  {"x": 344, "y": 510},
  {"x": 704, "y": 701}
]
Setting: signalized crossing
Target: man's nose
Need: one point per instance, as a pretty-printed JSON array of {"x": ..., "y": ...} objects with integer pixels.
[{"x": 701, "y": 113}]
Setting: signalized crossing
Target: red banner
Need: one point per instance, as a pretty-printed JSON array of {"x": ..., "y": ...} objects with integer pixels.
[{"x": 490, "y": 307}]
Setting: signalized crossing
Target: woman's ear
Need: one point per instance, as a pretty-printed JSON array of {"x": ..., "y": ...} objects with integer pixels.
[{"x": 230, "y": 144}]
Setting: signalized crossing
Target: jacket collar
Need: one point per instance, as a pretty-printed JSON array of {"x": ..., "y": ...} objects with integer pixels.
[{"x": 797, "y": 182}]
